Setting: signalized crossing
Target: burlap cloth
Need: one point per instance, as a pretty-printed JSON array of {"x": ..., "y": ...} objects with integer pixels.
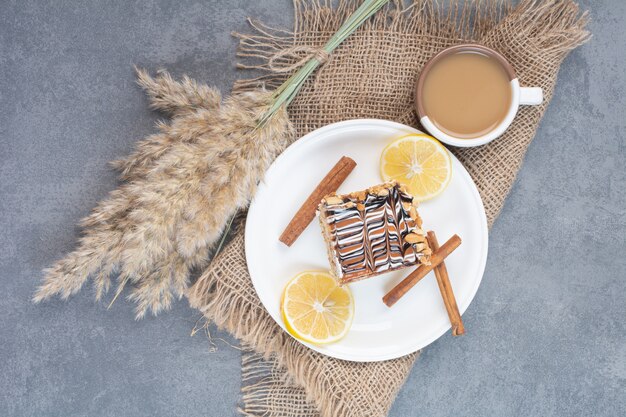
[{"x": 372, "y": 75}]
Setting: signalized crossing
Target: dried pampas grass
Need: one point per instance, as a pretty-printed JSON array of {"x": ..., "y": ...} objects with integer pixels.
[
  {"x": 184, "y": 183},
  {"x": 182, "y": 186}
]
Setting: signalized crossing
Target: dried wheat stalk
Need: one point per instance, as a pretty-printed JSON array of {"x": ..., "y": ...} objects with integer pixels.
[{"x": 183, "y": 185}]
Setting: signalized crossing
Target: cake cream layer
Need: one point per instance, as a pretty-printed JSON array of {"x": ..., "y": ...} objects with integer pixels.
[{"x": 372, "y": 231}]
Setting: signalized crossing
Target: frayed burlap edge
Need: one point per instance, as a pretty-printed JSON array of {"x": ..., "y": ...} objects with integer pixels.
[
  {"x": 313, "y": 383},
  {"x": 372, "y": 75}
]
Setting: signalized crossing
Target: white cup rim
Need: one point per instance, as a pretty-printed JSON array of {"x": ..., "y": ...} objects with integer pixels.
[{"x": 489, "y": 136}]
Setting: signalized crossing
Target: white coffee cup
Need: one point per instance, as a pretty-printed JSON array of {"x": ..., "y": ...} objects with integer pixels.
[{"x": 519, "y": 96}]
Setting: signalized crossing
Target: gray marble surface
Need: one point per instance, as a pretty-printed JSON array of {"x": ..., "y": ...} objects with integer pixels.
[{"x": 546, "y": 332}]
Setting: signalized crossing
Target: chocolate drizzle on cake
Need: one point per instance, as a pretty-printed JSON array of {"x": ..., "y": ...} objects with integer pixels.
[{"x": 367, "y": 231}]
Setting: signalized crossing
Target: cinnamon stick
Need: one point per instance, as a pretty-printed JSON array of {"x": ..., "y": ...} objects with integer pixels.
[
  {"x": 445, "y": 287},
  {"x": 305, "y": 215},
  {"x": 414, "y": 277}
]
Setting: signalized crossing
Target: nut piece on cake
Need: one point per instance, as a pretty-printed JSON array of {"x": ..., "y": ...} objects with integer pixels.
[{"x": 372, "y": 231}]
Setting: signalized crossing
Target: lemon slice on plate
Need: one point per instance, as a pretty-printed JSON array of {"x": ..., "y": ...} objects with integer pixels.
[
  {"x": 316, "y": 309},
  {"x": 419, "y": 162}
]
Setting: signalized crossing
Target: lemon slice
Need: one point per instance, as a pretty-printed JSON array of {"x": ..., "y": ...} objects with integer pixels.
[
  {"x": 316, "y": 309},
  {"x": 419, "y": 162}
]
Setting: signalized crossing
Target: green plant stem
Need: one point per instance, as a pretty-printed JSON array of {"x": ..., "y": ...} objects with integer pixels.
[
  {"x": 290, "y": 88},
  {"x": 224, "y": 235}
]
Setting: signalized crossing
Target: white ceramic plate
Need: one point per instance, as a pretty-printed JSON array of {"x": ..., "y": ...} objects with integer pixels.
[{"x": 378, "y": 332}]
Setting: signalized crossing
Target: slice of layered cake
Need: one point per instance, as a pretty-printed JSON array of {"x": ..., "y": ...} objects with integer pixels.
[{"x": 372, "y": 231}]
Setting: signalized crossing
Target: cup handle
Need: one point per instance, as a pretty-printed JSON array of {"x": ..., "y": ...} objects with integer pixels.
[{"x": 530, "y": 96}]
